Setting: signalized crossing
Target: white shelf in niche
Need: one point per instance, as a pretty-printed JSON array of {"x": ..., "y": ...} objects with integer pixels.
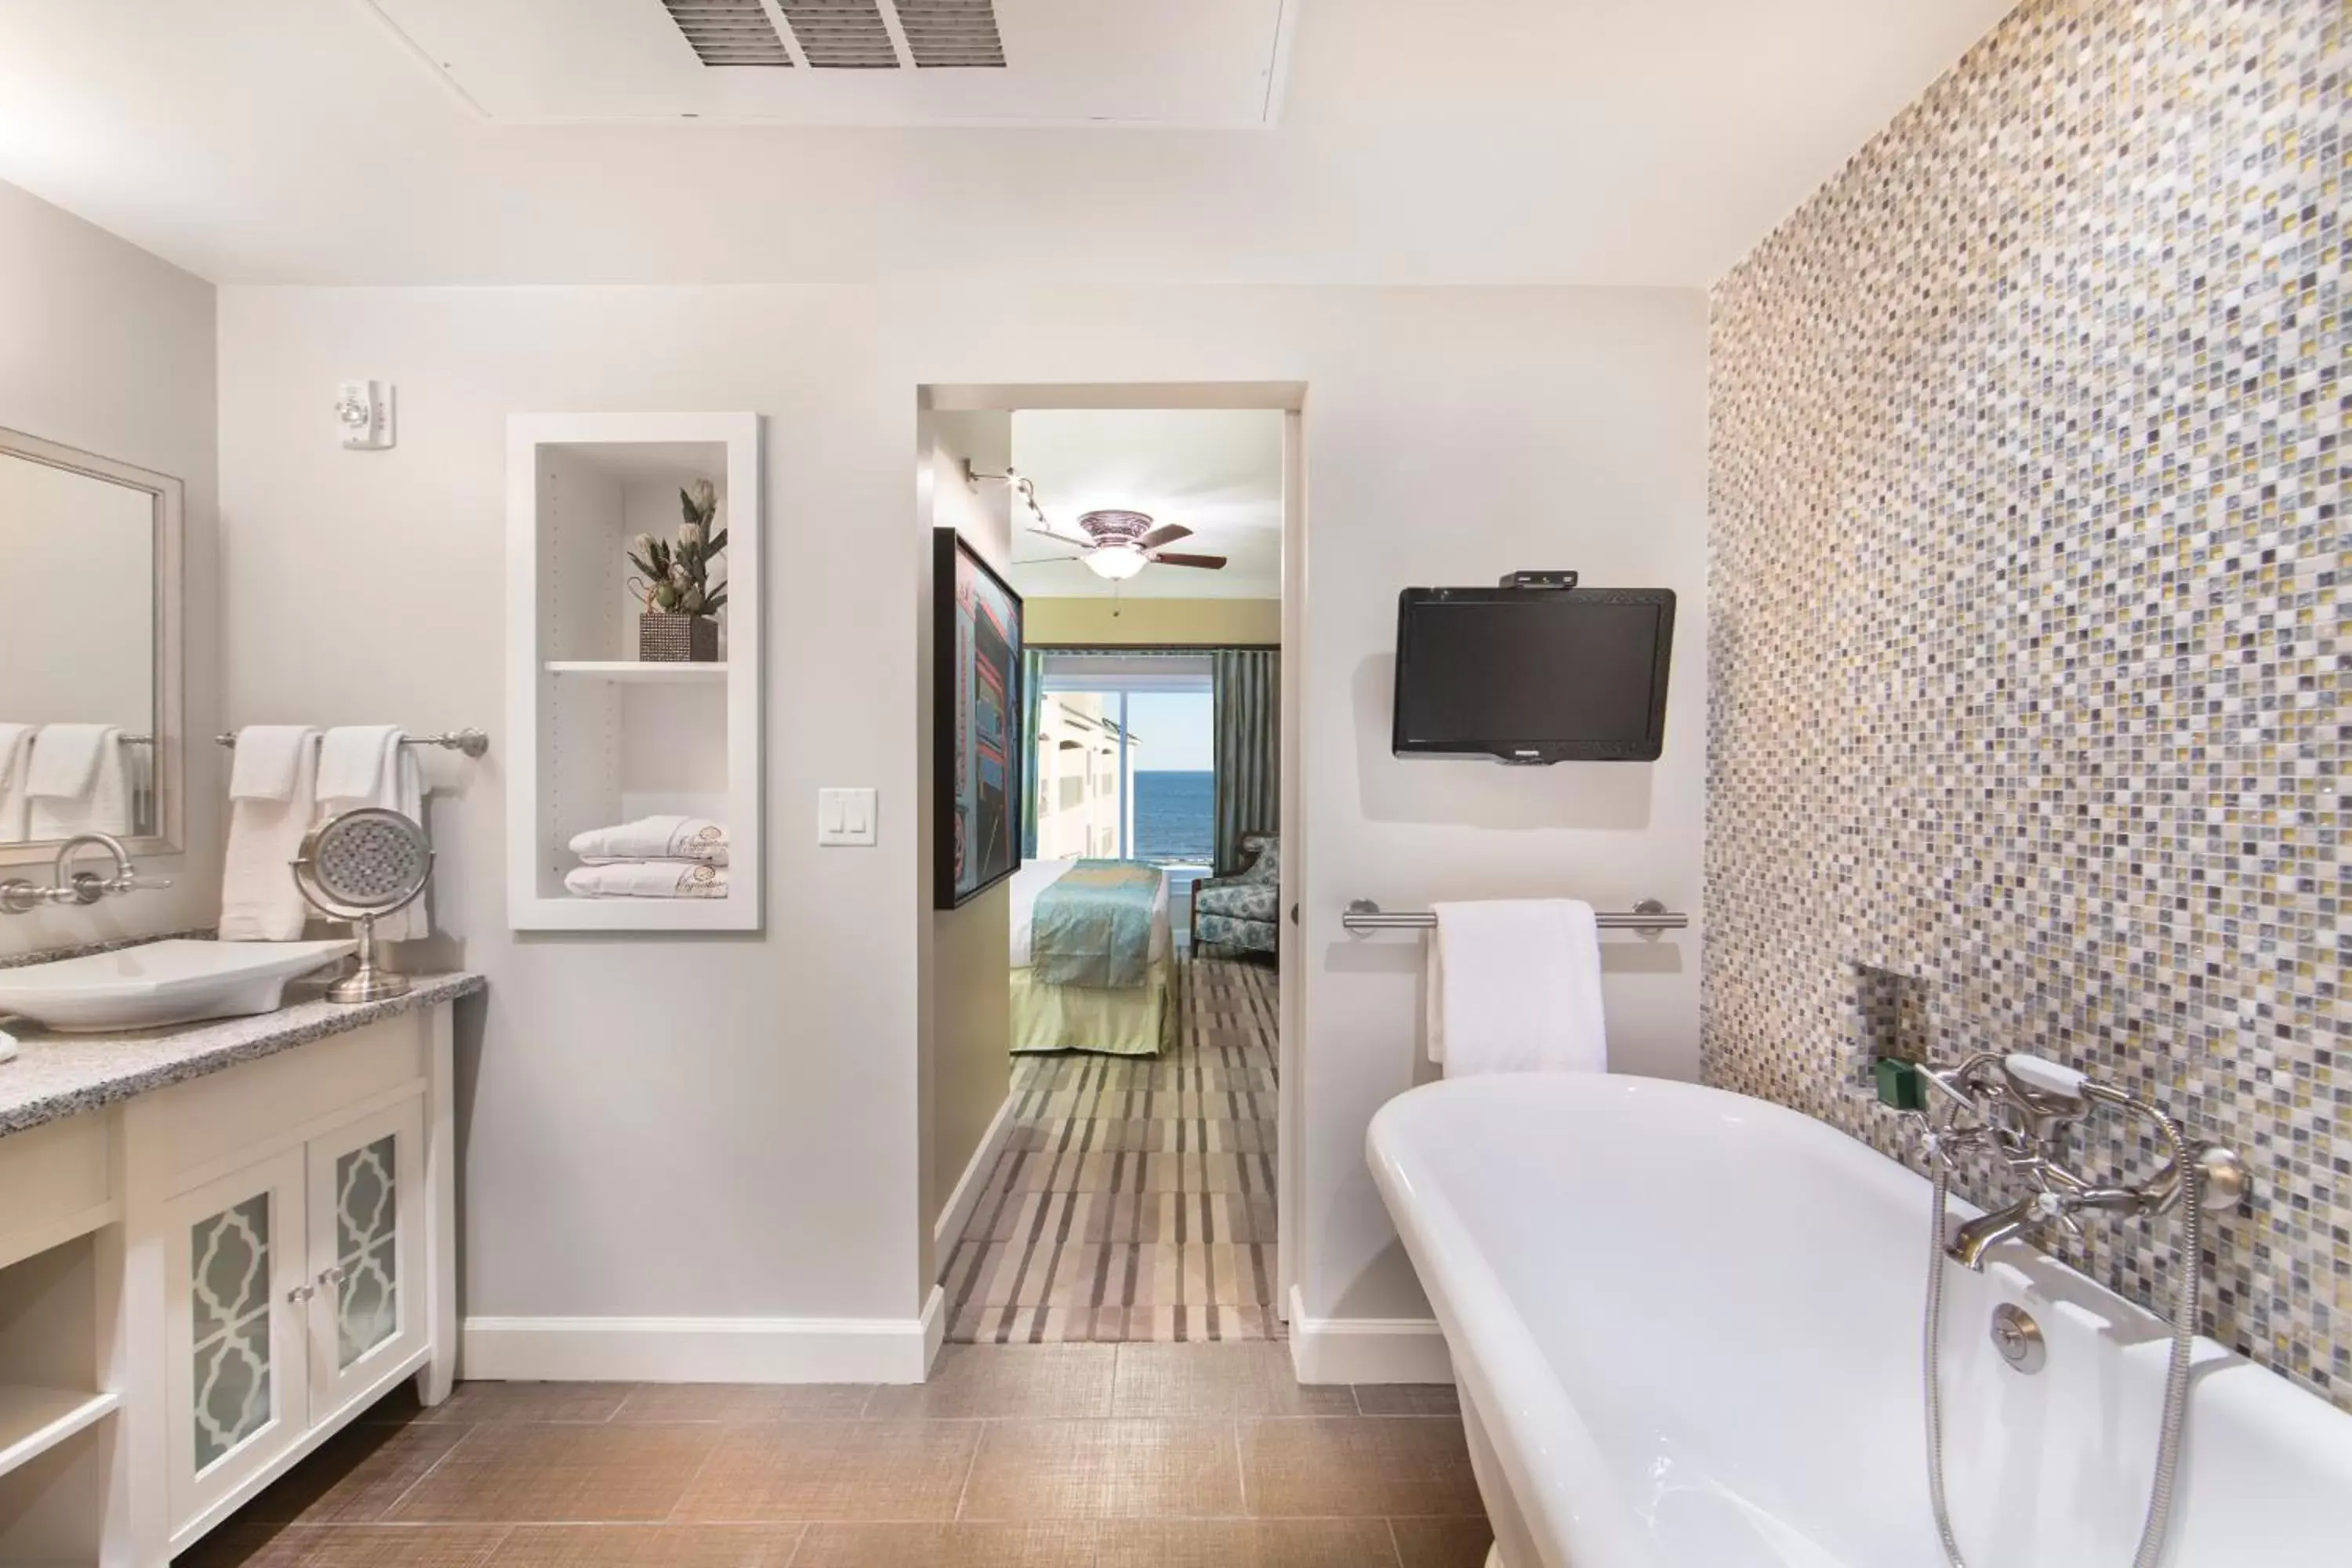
[
  {"x": 600, "y": 737},
  {"x": 34, "y": 1420},
  {"x": 642, "y": 670}
]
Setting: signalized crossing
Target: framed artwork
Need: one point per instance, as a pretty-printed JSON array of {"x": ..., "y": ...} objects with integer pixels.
[{"x": 976, "y": 692}]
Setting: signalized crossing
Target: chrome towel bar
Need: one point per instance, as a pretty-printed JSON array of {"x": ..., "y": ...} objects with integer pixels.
[
  {"x": 473, "y": 742},
  {"x": 1648, "y": 915}
]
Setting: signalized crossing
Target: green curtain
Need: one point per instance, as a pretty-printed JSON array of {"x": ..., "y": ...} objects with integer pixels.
[
  {"x": 1248, "y": 695},
  {"x": 1033, "y": 689}
]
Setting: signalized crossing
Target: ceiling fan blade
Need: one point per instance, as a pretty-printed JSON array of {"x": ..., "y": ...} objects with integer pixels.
[
  {"x": 1078, "y": 540},
  {"x": 1209, "y": 563},
  {"x": 1166, "y": 533}
]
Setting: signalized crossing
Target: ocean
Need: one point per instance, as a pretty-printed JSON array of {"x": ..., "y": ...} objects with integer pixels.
[{"x": 1175, "y": 816}]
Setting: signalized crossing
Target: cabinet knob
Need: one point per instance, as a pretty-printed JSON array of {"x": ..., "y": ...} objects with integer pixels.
[
  {"x": 331, "y": 1275},
  {"x": 302, "y": 1293}
]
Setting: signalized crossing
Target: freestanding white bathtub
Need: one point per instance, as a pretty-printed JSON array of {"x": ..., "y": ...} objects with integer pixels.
[{"x": 1685, "y": 1324}]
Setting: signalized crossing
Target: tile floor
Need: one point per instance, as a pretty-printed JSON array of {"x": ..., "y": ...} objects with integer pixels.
[{"x": 1134, "y": 1455}]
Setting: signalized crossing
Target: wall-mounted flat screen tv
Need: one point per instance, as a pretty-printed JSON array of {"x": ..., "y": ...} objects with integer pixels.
[{"x": 1533, "y": 674}]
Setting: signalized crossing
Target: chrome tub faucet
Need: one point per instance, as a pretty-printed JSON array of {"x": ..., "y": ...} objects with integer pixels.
[{"x": 2018, "y": 1105}]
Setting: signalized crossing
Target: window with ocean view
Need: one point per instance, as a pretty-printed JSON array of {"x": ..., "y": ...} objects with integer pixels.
[{"x": 1126, "y": 772}]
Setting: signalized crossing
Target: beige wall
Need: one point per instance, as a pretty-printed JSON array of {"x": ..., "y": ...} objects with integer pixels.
[
  {"x": 967, "y": 1027},
  {"x": 109, "y": 350},
  {"x": 1211, "y": 622},
  {"x": 755, "y": 1148}
]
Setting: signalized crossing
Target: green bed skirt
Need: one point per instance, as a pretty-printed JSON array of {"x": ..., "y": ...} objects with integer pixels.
[{"x": 1125, "y": 1021}]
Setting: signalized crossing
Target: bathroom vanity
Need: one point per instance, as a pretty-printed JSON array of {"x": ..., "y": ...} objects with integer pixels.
[{"x": 218, "y": 1243}]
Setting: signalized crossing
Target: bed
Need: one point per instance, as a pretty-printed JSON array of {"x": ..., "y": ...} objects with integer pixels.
[{"x": 1134, "y": 1017}]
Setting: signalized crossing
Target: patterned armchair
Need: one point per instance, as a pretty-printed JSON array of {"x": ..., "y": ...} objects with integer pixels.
[{"x": 1243, "y": 910}]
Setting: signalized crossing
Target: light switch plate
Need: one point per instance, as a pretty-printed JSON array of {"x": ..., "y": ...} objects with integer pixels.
[{"x": 844, "y": 817}]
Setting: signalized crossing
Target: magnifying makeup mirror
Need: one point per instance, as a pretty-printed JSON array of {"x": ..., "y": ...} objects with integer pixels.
[{"x": 360, "y": 866}]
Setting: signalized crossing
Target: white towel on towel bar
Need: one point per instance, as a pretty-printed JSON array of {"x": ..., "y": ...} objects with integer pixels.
[
  {"x": 77, "y": 781},
  {"x": 16, "y": 761},
  {"x": 268, "y": 760},
  {"x": 1514, "y": 986},
  {"x": 372, "y": 765},
  {"x": 647, "y": 879},
  {"x": 259, "y": 900}
]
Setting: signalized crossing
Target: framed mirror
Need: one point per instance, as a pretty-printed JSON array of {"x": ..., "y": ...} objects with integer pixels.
[{"x": 91, "y": 731}]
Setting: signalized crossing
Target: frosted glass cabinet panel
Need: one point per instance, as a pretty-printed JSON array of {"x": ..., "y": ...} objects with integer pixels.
[
  {"x": 239, "y": 1368},
  {"x": 367, "y": 1237},
  {"x": 228, "y": 1278}
]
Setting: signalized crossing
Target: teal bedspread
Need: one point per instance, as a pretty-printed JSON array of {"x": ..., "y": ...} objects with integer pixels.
[{"x": 1093, "y": 926}]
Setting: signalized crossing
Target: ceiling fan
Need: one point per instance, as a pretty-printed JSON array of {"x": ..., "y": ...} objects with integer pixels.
[{"x": 1116, "y": 545}]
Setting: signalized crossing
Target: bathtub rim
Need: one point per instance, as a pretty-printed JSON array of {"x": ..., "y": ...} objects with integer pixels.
[{"x": 1578, "y": 1498}]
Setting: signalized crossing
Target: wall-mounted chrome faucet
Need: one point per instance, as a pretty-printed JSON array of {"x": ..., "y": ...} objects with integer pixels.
[
  {"x": 19, "y": 897},
  {"x": 2017, "y": 1106}
]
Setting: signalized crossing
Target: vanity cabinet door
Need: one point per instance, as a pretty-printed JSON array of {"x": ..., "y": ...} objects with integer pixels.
[
  {"x": 238, "y": 1370},
  {"x": 367, "y": 1255}
]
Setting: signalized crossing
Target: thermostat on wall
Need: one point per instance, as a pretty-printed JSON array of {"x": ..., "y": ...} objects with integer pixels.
[{"x": 363, "y": 414}]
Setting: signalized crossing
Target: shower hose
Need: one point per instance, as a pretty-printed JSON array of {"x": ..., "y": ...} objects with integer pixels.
[{"x": 2189, "y": 1266}]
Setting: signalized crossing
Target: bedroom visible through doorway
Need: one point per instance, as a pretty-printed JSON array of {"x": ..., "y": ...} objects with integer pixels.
[{"x": 1134, "y": 1194}]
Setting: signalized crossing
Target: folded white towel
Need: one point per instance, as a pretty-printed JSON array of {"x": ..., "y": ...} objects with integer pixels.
[
  {"x": 15, "y": 755},
  {"x": 371, "y": 764},
  {"x": 653, "y": 838},
  {"x": 268, "y": 758},
  {"x": 79, "y": 782},
  {"x": 259, "y": 900},
  {"x": 647, "y": 879},
  {"x": 1514, "y": 986}
]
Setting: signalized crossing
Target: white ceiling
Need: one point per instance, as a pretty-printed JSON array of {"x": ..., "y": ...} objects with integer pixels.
[
  {"x": 1216, "y": 471},
  {"x": 1473, "y": 142},
  {"x": 1067, "y": 62}
]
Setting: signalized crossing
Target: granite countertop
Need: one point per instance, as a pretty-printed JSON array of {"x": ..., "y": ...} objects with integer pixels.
[{"x": 58, "y": 1074}]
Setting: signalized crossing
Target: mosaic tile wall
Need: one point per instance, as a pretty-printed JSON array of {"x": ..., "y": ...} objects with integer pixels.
[{"x": 2028, "y": 647}]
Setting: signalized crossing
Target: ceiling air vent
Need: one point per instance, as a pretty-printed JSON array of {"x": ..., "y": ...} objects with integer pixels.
[
  {"x": 950, "y": 32},
  {"x": 728, "y": 32},
  {"x": 841, "y": 35}
]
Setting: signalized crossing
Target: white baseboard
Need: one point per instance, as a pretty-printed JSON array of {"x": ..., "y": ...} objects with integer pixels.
[
  {"x": 971, "y": 1184},
  {"x": 707, "y": 1350},
  {"x": 1366, "y": 1350}
]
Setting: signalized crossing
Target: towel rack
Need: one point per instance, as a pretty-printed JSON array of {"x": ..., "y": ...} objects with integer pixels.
[
  {"x": 1648, "y": 915},
  {"x": 473, "y": 742}
]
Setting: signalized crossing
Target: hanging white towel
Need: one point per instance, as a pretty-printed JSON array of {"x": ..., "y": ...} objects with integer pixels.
[
  {"x": 647, "y": 879},
  {"x": 653, "y": 838},
  {"x": 1514, "y": 986},
  {"x": 77, "y": 781},
  {"x": 16, "y": 759},
  {"x": 355, "y": 762},
  {"x": 259, "y": 902},
  {"x": 267, "y": 759},
  {"x": 371, "y": 764}
]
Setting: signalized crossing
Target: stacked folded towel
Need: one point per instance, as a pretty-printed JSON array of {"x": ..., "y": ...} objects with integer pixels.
[{"x": 652, "y": 857}]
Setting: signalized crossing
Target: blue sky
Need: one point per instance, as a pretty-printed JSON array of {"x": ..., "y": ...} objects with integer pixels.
[{"x": 1174, "y": 728}]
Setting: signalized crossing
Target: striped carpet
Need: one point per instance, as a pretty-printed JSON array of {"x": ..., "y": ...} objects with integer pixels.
[{"x": 1135, "y": 1198}]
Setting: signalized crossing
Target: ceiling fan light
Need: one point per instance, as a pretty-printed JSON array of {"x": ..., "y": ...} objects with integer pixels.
[{"x": 1115, "y": 562}]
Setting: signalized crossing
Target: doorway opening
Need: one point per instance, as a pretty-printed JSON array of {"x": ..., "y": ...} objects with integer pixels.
[{"x": 1132, "y": 1187}]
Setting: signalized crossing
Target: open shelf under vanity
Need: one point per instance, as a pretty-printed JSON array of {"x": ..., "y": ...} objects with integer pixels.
[{"x": 602, "y": 735}]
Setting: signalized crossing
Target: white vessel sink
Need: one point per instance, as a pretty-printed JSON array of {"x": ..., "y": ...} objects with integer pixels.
[{"x": 158, "y": 982}]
